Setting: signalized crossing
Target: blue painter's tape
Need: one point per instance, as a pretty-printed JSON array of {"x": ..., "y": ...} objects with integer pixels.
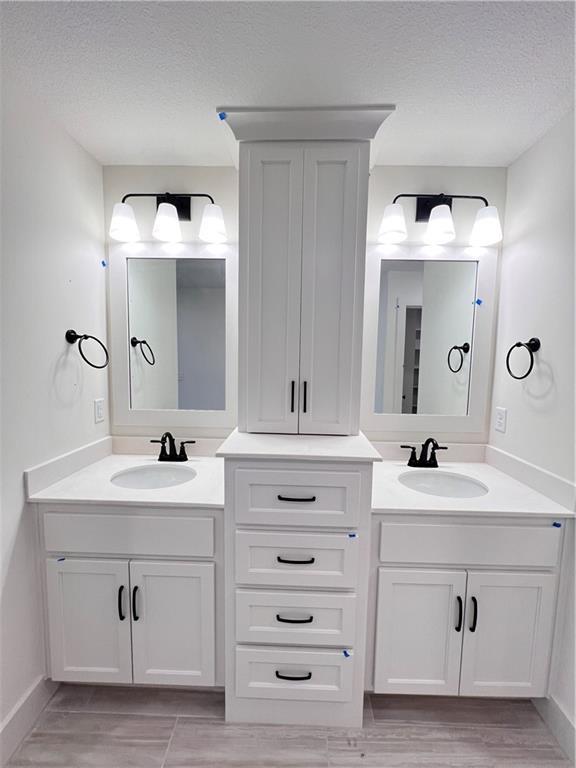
[
  {"x": 222, "y": 115},
  {"x": 352, "y": 535},
  {"x": 104, "y": 263},
  {"x": 479, "y": 301},
  {"x": 61, "y": 559},
  {"x": 346, "y": 653},
  {"x": 557, "y": 525}
]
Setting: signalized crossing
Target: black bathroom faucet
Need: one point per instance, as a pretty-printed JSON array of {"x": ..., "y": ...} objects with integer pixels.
[
  {"x": 429, "y": 446},
  {"x": 172, "y": 454}
]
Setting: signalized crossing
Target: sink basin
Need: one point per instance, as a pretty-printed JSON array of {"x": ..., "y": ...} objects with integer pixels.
[
  {"x": 154, "y": 476},
  {"x": 437, "y": 483}
]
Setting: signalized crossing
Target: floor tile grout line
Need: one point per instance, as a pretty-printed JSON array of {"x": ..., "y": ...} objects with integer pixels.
[{"x": 167, "y": 752}]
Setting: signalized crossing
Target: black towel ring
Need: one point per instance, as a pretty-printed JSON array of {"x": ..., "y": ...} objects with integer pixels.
[
  {"x": 72, "y": 337},
  {"x": 150, "y": 358},
  {"x": 532, "y": 345},
  {"x": 463, "y": 350}
]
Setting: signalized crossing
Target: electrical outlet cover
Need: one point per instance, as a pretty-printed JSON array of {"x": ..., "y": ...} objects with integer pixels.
[
  {"x": 99, "y": 411},
  {"x": 500, "y": 420}
]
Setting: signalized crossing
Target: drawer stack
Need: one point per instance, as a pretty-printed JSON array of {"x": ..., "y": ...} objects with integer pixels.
[{"x": 296, "y": 562}]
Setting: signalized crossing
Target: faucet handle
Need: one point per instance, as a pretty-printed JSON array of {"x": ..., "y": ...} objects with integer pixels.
[
  {"x": 412, "y": 461},
  {"x": 433, "y": 460},
  {"x": 183, "y": 456},
  {"x": 163, "y": 454}
]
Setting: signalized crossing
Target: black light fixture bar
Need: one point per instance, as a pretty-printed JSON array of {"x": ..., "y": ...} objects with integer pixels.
[
  {"x": 425, "y": 203},
  {"x": 181, "y": 201}
]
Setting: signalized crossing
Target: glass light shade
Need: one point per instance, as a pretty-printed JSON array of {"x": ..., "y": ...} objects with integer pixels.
[
  {"x": 440, "y": 229},
  {"x": 212, "y": 229},
  {"x": 166, "y": 224},
  {"x": 486, "y": 229},
  {"x": 123, "y": 225},
  {"x": 393, "y": 225}
]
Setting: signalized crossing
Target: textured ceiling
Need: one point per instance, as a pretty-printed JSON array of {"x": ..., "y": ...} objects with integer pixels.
[{"x": 475, "y": 83}]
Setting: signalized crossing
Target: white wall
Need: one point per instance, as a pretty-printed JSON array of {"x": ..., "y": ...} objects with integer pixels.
[
  {"x": 52, "y": 280},
  {"x": 448, "y": 293},
  {"x": 152, "y": 316},
  {"x": 537, "y": 299},
  {"x": 202, "y": 348}
]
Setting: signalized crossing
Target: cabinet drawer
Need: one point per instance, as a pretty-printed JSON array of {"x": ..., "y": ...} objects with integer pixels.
[
  {"x": 297, "y": 497},
  {"x": 129, "y": 534},
  {"x": 513, "y": 545},
  {"x": 296, "y": 559},
  {"x": 302, "y": 618},
  {"x": 324, "y": 675}
]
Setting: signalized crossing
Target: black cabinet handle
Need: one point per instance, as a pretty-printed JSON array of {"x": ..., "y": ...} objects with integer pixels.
[
  {"x": 305, "y": 398},
  {"x": 291, "y": 498},
  {"x": 475, "y": 616},
  {"x": 458, "y": 626},
  {"x": 310, "y": 560},
  {"x": 307, "y": 620},
  {"x": 134, "y": 614},
  {"x": 294, "y": 678},
  {"x": 121, "y": 615},
  {"x": 292, "y": 395}
]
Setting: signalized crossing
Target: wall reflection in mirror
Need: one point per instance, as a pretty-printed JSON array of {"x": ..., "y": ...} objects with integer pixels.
[
  {"x": 178, "y": 307},
  {"x": 425, "y": 336}
]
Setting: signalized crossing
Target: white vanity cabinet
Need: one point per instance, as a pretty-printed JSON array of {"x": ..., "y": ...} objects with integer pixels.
[
  {"x": 118, "y": 614},
  {"x": 297, "y": 544},
  {"x": 302, "y": 253},
  {"x": 468, "y": 609}
]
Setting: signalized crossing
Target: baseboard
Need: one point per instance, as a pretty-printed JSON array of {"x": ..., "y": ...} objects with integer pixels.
[
  {"x": 41, "y": 476},
  {"x": 23, "y": 715},
  {"x": 557, "y": 488},
  {"x": 561, "y": 727}
]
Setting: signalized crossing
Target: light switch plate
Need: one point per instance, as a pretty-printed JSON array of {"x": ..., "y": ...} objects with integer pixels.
[
  {"x": 98, "y": 410},
  {"x": 500, "y": 419}
]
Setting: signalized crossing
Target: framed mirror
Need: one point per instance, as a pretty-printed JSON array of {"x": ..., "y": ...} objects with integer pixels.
[
  {"x": 429, "y": 316},
  {"x": 174, "y": 345}
]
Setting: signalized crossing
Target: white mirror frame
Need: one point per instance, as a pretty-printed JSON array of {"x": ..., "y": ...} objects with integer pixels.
[
  {"x": 396, "y": 426},
  {"x": 204, "y": 423}
]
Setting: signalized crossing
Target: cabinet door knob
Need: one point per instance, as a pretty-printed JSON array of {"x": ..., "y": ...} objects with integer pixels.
[
  {"x": 307, "y": 620},
  {"x": 287, "y": 561},
  {"x": 121, "y": 614},
  {"x": 475, "y": 615},
  {"x": 458, "y": 626},
  {"x": 294, "y": 678},
  {"x": 134, "y": 613}
]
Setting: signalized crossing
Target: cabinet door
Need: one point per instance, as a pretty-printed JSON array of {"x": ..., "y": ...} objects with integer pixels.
[
  {"x": 333, "y": 256},
  {"x": 508, "y": 634},
  {"x": 419, "y": 631},
  {"x": 270, "y": 275},
  {"x": 172, "y": 622},
  {"x": 89, "y": 620}
]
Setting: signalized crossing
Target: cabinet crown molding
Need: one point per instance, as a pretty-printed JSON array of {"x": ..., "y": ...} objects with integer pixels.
[{"x": 359, "y": 123}]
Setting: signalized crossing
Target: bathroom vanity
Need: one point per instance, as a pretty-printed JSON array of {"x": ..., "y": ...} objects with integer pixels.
[{"x": 385, "y": 588}]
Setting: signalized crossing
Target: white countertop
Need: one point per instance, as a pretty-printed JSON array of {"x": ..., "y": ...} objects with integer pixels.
[
  {"x": 92, "y": 485},
  {"x": 505, "y": 496},
  {"x": 245, "y": 445}
]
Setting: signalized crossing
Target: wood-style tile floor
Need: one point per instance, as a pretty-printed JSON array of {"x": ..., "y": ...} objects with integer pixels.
[{"x": 107, "y": 727}]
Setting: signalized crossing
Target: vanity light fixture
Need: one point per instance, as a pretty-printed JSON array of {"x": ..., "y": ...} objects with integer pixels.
[
  {"x": 436, "y": 210},
  {"x": 171, "y": 210}
]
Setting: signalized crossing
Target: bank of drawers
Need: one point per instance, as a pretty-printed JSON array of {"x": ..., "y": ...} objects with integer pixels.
[{"x": 295, "y": 641}]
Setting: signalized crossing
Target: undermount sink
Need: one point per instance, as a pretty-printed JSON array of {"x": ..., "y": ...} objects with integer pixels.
[
  {"x": 153, "y": 476},
  {"x": 435, "y": 482}
]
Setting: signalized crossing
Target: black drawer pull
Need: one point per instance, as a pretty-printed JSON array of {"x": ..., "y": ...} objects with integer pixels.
[
  {"x": 292, "y": 395},
  {"x": 305, "y": 398},
  {"x": 134, "y": 614},
  {"x": 458, "y": 626},
  {"x": 294, "y": 678},
  {"x": 121, "y": 614},
  {"x": 307, "y": 620},
  {"x": 475, "y": 617},
  {"x": 292, "y": 498},
  {"x": 285, "y": 560}
]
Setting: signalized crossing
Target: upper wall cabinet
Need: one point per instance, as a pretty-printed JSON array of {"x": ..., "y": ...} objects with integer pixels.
[{"x": 302, "y": 251}]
